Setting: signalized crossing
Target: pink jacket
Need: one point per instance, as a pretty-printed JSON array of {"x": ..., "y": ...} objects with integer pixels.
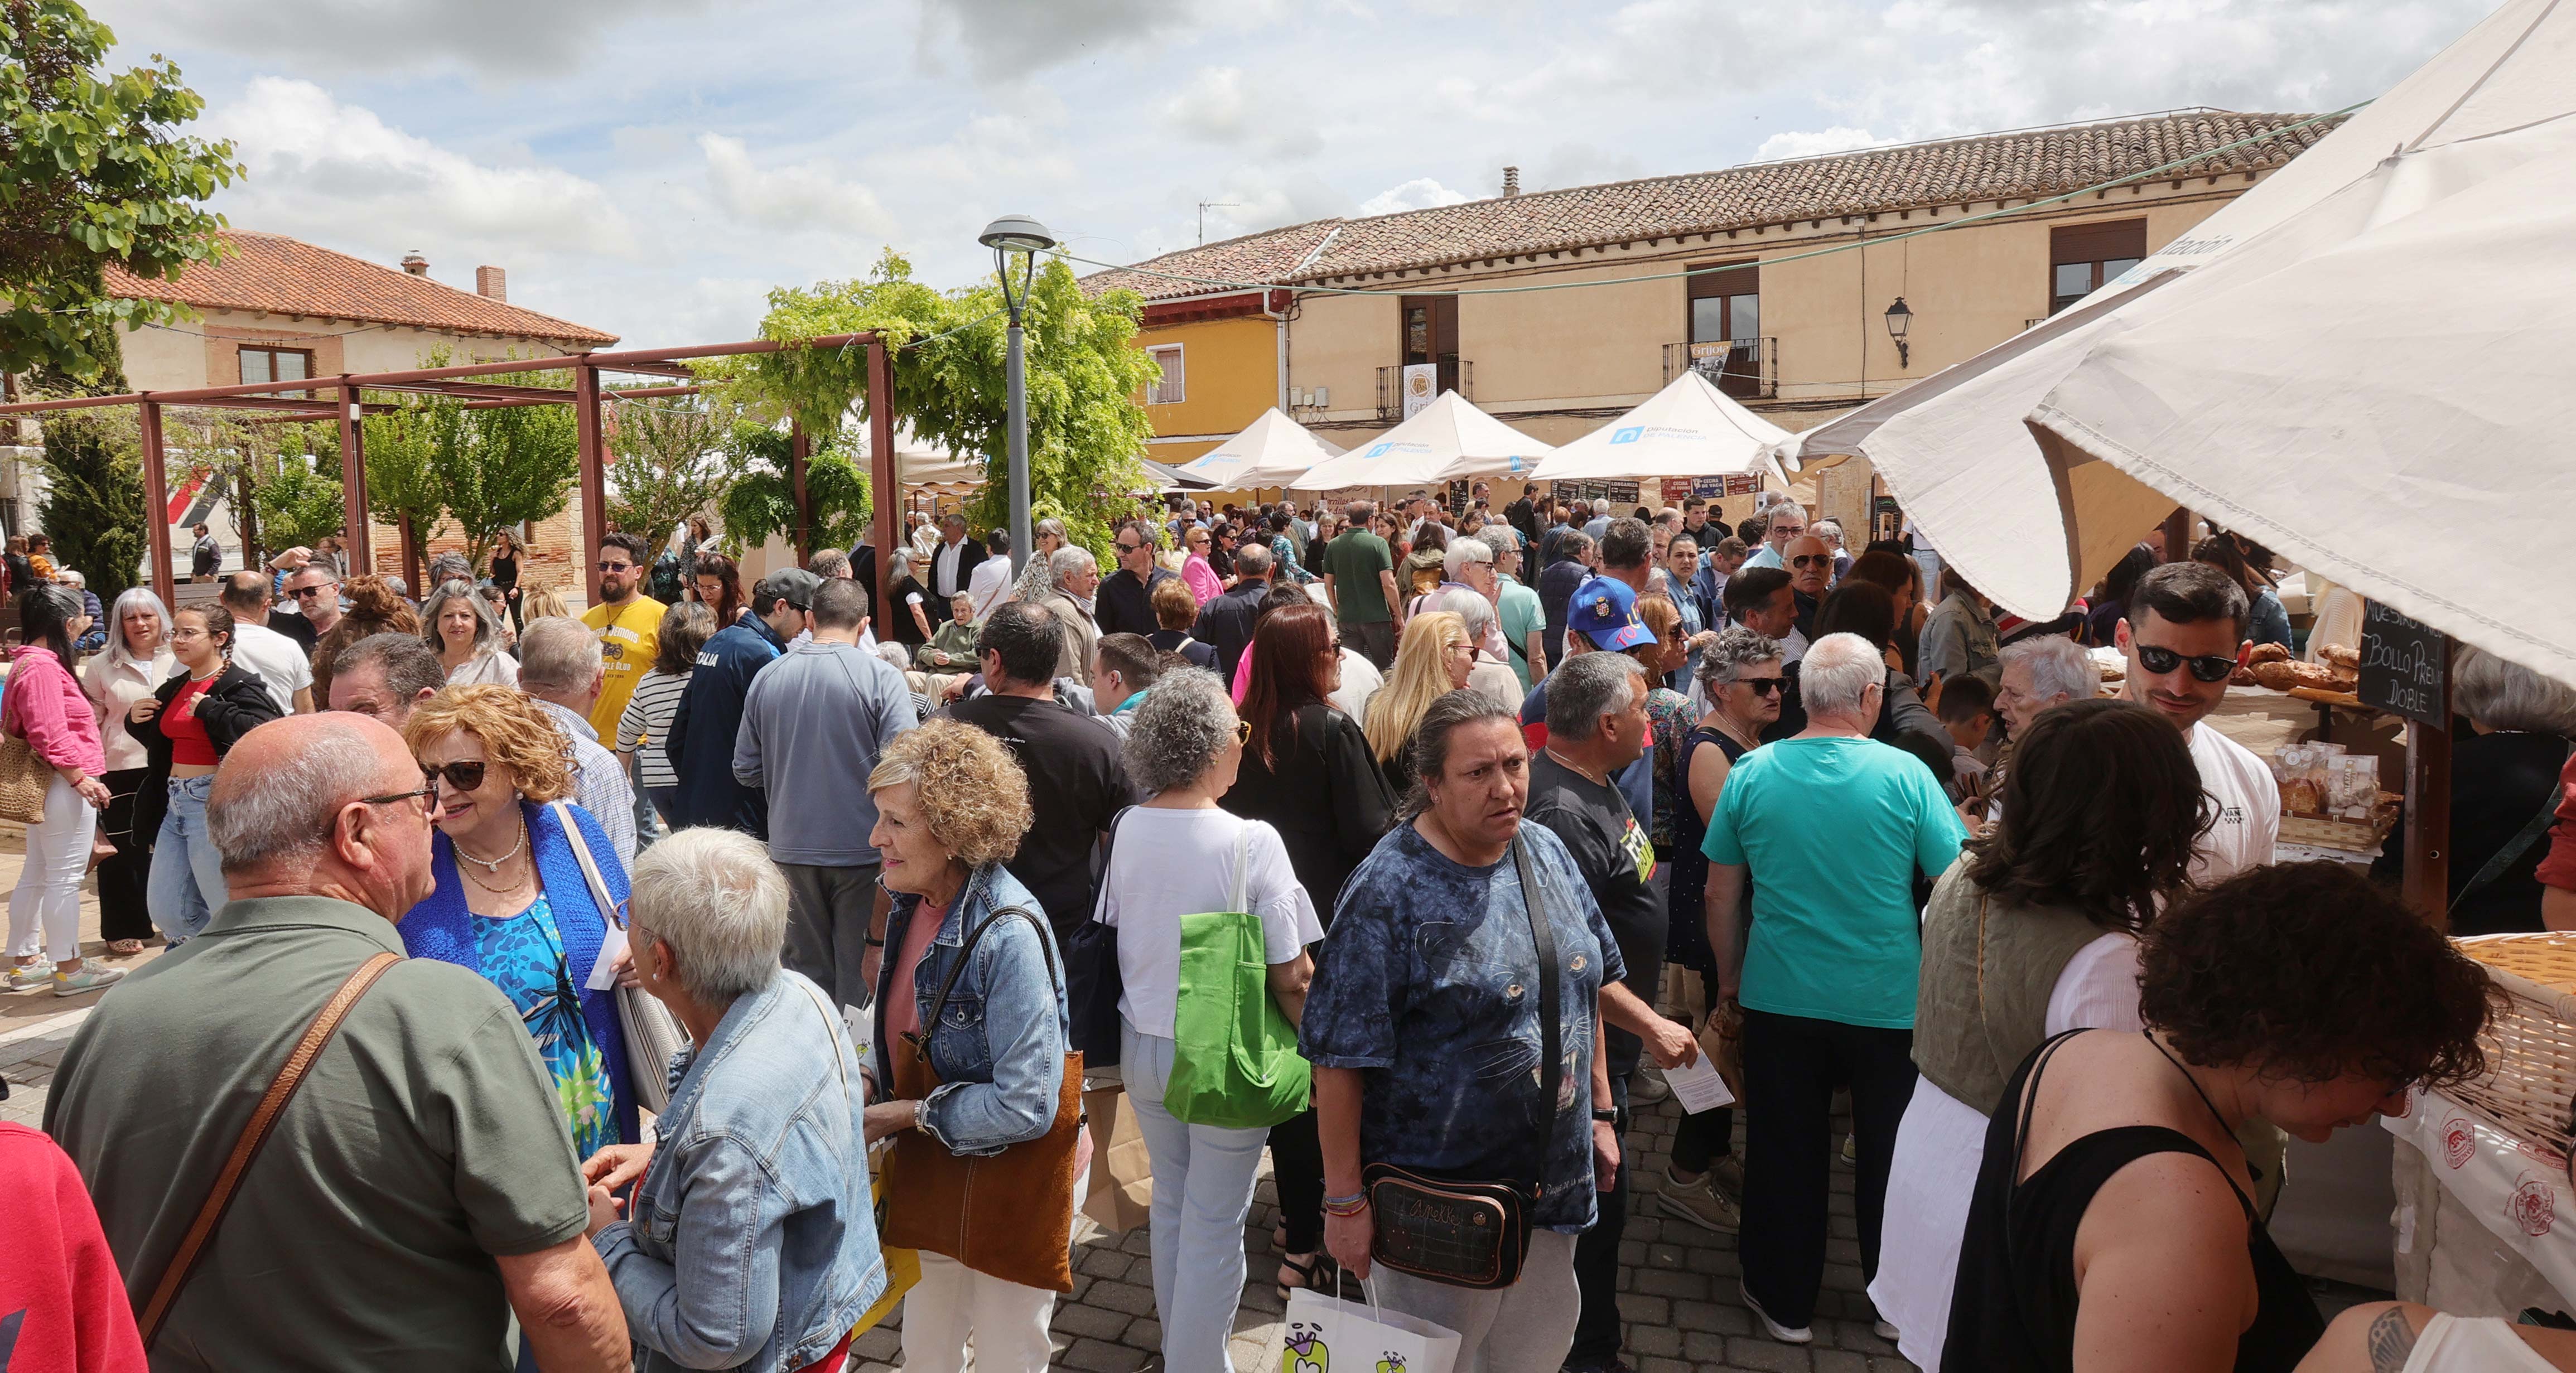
[
  {"x": 1201, "y": 579},
  {"x": 45, "y": 706}
]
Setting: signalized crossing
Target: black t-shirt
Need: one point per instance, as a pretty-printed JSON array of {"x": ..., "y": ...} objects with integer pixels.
[
  {"x": 293, "y": 625},
  {"x": 1618, "y": 861},
  {"x": 1076, "y": 785},
  {"x": 1555, "y": 589}
]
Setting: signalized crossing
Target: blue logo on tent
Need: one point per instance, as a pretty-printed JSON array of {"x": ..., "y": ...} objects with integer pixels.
[
  {"x": 1380, "y": 450},
  {"x": 1630, "y": 434}
]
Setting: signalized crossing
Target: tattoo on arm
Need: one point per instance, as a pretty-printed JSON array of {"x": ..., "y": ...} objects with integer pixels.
[{"x": 2391, "y": 1340}]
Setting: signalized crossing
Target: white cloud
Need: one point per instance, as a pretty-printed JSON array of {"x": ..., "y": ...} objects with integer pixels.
[
  {"x": 1008, "y": 39},
  {"x": 1816, "y": 142},
  {"x": 802, "y": 197},
  {"x": 511, "y": 37},
  {"x": 1220, "y": 106},
  {"x": 1421, "y": 193}
]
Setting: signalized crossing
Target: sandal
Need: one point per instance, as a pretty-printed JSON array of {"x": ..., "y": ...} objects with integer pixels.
[
  {"x": 1315, "y": 1274},
  {"x": 124, "y": 948}
]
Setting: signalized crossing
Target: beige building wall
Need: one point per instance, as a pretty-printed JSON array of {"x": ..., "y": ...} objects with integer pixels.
[{"x": 207, "y": 351}]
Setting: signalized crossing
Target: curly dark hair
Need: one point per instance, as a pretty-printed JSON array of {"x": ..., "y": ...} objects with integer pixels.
[
  {"x": 2310, "y": 971},
  {"x": 2102, "y": 805}
]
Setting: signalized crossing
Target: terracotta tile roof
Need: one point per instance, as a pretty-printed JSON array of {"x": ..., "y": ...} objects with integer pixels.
[
  {"x": 286, "y": 276},
  {"x": 2027, "y": 163}
]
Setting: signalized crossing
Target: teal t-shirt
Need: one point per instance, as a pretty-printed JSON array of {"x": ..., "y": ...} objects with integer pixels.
[
  {"x": 1833, "y": 832},
  {"x": 1522, "y": 616}
]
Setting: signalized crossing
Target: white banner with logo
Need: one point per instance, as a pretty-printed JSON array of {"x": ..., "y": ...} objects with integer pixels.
[
  {"x": 1421, "y": 386},
  {"x": 2517, "y": 1192}
]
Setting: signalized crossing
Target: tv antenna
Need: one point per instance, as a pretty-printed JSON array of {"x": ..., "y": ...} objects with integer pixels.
[{"x": 1207, "y": 205}]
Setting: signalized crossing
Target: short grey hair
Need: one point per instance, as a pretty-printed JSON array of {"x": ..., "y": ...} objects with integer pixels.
[
  {"x": 1600, "y": 505},
  {"x": 1068, "y": 560},
  {"x": 1469, "y": 605},
  {"x": 1463, "y": 551},
  {"x": 559, "y": 652},
  {"x": 1588, "y": 686},
  {"x": 1359, "y": 510},
  {"x": 1836, "y": 674},
  {"x": 716, "y": 899},
  {"x": 1185, "y": 722},
  {"x": 1737, "y": 648},
  {"x": 1252, "y": 560},
  {"x": 286, "y": 810},
  {"x": 1772, "y": 512},
  {"x": 450, "y": 566},
  {"x": 2058, "y": 667},
  {"x": 2503, "y": 695}
]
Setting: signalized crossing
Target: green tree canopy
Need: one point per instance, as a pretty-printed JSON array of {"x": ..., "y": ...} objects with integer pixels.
[
  {"x": 92, "y": 170},
  {"x": 1085, "y": 425},
  {"x": 488, "y": 470},
  {"x": 671, "y": 464},
  {"x": 93, "y": 505},
  {"x": 762, "y": 499}
]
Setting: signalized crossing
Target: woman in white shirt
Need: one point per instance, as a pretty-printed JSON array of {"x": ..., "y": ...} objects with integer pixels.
[
  {"x": 2031, "y": 933},
  {"x": 458, "y": 627},
  {"x": 1179, "y": 854},
  {"x": 136, "y": 662}
]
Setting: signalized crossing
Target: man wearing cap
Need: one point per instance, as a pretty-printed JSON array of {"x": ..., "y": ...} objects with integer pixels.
[
  {"x": 700, "y": 742},
  {"x": 1601, "y": 617}
]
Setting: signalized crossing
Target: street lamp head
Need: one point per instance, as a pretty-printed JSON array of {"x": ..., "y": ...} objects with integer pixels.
[
  {"x": 1899, "y": 321},
  {"x": 1016, "y": 234}
]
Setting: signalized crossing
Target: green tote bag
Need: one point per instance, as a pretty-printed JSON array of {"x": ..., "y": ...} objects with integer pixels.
[{"x": 1236, "y": 1065}]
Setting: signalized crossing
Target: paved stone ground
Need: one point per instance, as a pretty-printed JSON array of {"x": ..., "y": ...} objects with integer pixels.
[{"x": 1677, "y": 1282}]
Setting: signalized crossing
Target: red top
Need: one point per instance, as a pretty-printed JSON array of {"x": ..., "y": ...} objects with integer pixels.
[
  {"x": 60, "y": 1294},
  {"x": 187, "y": 733},
  {"x": 2559, "y": 868}
]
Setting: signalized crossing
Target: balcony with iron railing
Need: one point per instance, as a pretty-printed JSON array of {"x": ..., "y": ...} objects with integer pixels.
[
  {"x": 1453, "y": 375},
  {"x": 1745, "y": 368}
]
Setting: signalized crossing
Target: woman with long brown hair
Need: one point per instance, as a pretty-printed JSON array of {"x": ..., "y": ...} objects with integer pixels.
[
  {"x": 719, "y": 583},
  {"x": 1306, "y": 770}
]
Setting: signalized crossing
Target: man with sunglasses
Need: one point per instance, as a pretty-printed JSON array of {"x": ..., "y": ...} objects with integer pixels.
[
  {"x": 315, "y": 591},
  {"x": 1125, "y": 602},
  {"x": 1811, "y": 570},
  {"x": 628, "y": 623},
  {"x": 2184, "y": 634}
]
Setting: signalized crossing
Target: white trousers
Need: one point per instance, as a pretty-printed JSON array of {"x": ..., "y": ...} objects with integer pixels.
[
  {"x": 48, "y": 891},
  {"x": 952, "y": 1302}
]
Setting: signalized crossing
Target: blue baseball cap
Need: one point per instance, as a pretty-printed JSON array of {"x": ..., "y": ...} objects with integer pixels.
[{"x": 1604, "y": 611}]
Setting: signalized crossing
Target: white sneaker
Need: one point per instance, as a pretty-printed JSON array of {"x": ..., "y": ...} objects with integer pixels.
[
  {"x": 1884, "y": 1328},
  {"x": 1785, "y": 1334},
  {"x": 1647, "y": 1087},
  {"x": 90, "y": 978},
  {"x": 26, "y": 977}
]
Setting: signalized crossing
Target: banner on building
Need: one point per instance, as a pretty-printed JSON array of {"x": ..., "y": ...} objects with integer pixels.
[{"x": 1421, "y": 386}]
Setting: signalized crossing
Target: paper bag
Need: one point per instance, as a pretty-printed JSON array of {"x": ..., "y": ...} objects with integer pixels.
[
  {"x": 1322, "y": 1333},
  {"x": 1122, "y": 1170},
  {"x": 1721, "y": 1037}
]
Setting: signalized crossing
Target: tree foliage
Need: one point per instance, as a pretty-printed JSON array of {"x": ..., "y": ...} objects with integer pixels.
[
  {"x": 92, "y": 170},
  {"x": 762, "y": 500},
  {"x": 299, "y": 496},
  {"x": 94, "y": 507},
  {"x": 670, "y": 465},
  {"x": 1085, "y": 425},
  {"x": 488, "y": 470}
]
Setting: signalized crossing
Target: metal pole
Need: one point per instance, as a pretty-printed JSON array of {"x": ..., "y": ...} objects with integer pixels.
[
  {"x": 1021, "y": 542},
  {"x": 156, "y": 496},
  {"x": 799, "y": 448},
  {"x": 2428, "y": 814},
  {"x": 883, "y": 492}
]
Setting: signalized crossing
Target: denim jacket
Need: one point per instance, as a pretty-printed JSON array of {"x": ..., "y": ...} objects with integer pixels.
[
  {"x": 758, "y": 1194},
  {"x": 1000, "y": 1042}
]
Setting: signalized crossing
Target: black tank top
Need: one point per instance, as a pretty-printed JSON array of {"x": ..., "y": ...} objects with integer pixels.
[{"x": 2013, "y": 1308}]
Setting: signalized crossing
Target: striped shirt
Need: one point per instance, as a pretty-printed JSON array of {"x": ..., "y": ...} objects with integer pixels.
[{"x": 647, "y": 715}]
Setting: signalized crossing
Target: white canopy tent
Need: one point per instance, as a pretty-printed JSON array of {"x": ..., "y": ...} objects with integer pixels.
[
  {"x": 1273, "y": 450},
  {"x": 1688, "y": 429},
  {"x": 919, "y": 464},
  {"x": 1957, "y": 454},
  {"x": 1447, "y": 440}
]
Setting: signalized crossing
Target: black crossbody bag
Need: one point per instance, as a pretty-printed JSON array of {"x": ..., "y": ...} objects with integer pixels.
[{"x": 1469, "y": 1232}]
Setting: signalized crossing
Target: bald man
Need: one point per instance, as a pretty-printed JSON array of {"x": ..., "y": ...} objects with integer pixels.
[{"x": 426, "y": 1122}]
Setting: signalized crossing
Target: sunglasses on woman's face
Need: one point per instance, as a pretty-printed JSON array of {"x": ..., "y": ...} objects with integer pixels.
[
  {"x": 460, "y": 776},
  {"x": 2209, "y": 667},
  {"x": 1762, "y": 686}
]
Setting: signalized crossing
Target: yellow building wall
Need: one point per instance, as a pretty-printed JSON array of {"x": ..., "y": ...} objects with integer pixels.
[{"x": 1231, "y": 375}]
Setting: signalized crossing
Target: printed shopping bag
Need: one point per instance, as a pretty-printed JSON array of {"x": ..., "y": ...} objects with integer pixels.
[
  {"x": 1321, "y": 1333},
  {"x": 1122, "y": 1169}
]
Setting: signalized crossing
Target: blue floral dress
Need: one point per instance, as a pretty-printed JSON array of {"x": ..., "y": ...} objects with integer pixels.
[{"x": 524, "y": 956}]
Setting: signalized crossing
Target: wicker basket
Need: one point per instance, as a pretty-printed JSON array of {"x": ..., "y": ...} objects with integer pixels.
[
  {"x": 2350, "y": 836},
  {"x": 2531, "y": 1043}
]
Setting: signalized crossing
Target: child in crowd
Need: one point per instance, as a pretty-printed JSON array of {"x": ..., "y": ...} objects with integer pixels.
[{"x": 1967, "y": 710}]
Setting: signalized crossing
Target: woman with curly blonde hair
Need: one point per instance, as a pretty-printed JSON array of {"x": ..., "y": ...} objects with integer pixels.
[
  {"x": 513, "y": 901},
  {"x": 951, "y": 806}
]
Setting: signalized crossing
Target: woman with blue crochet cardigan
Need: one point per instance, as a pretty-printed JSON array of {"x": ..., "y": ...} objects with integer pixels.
[{"x": 513, "y": 902}]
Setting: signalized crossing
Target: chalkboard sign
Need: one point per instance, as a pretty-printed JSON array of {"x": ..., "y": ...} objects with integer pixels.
[{"x": 2405, "y": 666}]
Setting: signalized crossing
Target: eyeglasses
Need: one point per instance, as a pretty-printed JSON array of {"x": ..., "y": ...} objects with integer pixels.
[
  {"x": 428, "y": 792},
  {"x": 462, "y": 776},
  {"x": 1129, "y": 547},
  {"x": 303, "y": 591},
  {"x": 2208, "y": 667},
  {"x": 605, "y": 566},
  {"x": 1812, "y": 560},
  {"x": 1762, "y": 686},
  {"x": 1334, "y": 648}
]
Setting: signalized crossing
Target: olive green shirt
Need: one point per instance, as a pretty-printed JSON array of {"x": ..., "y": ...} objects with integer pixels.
[{"x": 424, "y": 1140}]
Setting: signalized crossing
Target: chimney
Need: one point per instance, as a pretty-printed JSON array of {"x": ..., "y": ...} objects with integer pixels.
[
  {"x": 1511, "y": 181},
  {"x": 414, "y": 264},
  {"x": 492, "y": 282}
]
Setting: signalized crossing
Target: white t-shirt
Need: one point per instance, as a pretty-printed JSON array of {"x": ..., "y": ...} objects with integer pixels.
[
  {"x": 2249, "y": 807},
  {"x": 989, "y": 585},
  {"x": 276, "y": 659},
  {"x": 1172, "y": 863},
  {"x": 1360, "y": 680}
]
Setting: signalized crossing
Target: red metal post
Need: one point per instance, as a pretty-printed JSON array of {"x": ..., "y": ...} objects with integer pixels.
[
  {"x": 360, "y": 547},
  {"x": 411, "y": 557},
  {"x": 800, "y": 446},
  {"x": 882, "y": 491},
  {"x": 594, "y": 473},
  {"x": 156, "y": 499},
  {"x": 2178, "y": 536}
]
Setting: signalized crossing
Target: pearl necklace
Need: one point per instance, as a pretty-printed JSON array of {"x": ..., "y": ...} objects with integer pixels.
[{"x": 493, "y": 865}]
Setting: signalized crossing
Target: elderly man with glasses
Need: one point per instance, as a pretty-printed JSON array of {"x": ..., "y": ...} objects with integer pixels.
[
  {"x": 315, "y": 590},
  {"x": 1125, "y": 602},
  {"x": 1786, "y": 520}
]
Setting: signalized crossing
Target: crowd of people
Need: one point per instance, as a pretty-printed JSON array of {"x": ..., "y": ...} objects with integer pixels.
[{"x": 1363, "y": 840}]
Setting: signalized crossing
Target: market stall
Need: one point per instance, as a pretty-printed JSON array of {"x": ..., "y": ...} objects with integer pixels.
[
  {"x": 1688, "y": 429},
  {"x": 1272, "y": 451},
  {"x": 1446, "y": 439}
]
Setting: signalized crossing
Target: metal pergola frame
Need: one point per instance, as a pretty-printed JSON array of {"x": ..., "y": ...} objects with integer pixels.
[{"x": 341, "y": 398}]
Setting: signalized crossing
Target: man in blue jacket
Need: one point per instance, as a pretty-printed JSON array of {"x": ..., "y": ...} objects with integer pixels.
[{"x": 700, "y": 742}]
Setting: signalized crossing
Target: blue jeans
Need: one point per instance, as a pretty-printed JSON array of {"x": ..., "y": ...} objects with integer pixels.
[{"x": 187, "y": 883}]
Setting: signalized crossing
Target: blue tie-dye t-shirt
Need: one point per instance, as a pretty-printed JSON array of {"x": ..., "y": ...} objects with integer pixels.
[{"x": 1425, "y": 981}]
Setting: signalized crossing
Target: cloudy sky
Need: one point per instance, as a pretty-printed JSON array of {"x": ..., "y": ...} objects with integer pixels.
[{"x": 653, "y": 167}]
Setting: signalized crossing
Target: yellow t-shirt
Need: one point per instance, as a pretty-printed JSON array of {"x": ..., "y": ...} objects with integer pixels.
[{"x": 626, "y": 648}]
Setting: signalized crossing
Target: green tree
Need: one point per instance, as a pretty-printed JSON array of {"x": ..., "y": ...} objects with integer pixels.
[
  {"x": 299, "y": 504},
  {"x": 762, "y": 499},
  {"x": 401, "y": 449},
  {"x": 1086, "y": 426},
  {"x": 506, "y": 467},
  {"x": 94, "y": 506},
  {"x": 93, "y": 170},
  {"x": 670, "y": 465}
]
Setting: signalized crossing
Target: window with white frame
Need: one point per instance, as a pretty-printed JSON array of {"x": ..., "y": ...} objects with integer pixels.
[{"x": 1173, "y": 387}]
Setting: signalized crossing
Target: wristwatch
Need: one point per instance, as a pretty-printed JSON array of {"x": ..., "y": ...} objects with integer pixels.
[{"x": 1606, "y": 1115}]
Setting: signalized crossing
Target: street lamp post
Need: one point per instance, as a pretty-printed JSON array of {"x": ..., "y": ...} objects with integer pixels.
[
  {"x": 1005, "y": 236},
  {"x": 1900, "y": 321}
]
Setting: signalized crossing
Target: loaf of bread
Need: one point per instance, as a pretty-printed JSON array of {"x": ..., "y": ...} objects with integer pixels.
[
  {"x": 2343, "y": 656},
  {"x": 2268, "y": 653},
  {"x": 2285, "y": 676}
]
